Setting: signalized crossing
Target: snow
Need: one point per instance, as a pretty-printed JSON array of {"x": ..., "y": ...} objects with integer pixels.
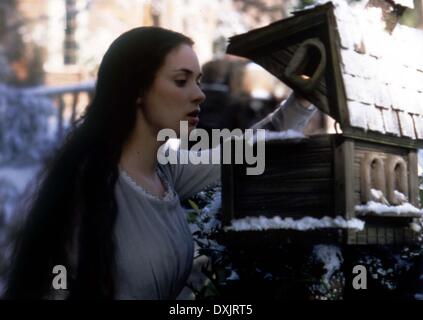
[
  {"x": 233, "y": 276},
  {"x": 358, "y": 115},
  {"x": 378, "y": 196},
  {"x": 19, "y": 176},
  {"x": 306, "y": 223},
  {"x": 379, "y": 208},
  {"x": 420, "y": 162},
  {"x": 206, "y": 220},
  {"x": 209, "y": 213},
  {"x": 407, "y": 124},
  {"x": 13, "y": 182},
  {"x": 415, "y": 226},
  {"x": 331, "y": 258},
  {"x": 23, "y": 123},
  {"x": 390, "y": 120},
  {"x": 400, "y": 196}
]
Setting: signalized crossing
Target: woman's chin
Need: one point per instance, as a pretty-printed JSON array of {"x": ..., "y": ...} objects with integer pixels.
[
  {"x": 185, "y": 127},
  {"x": 188, "y": 132},
  {"x": 193, "y": 121},
  {"x": 191, "y": 127}
]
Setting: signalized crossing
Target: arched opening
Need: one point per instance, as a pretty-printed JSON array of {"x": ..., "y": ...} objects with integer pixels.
[
  {"x": 307, "y": 64},
  {"x": 397, "y": 178},
  {"x": 373, "y": 183}
]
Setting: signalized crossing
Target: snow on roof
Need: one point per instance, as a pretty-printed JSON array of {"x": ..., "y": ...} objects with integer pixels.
[
  {"x": 382, "y": 73},
  {"x": 406, "y": 209},
  {"x": 306, "y": 223}
]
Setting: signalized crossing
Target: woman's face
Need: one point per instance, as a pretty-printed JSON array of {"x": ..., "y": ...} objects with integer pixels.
[{"x": 175, "y": 94}]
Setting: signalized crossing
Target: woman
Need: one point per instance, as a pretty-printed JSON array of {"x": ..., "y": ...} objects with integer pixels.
[{"x": 105, "y": 209}]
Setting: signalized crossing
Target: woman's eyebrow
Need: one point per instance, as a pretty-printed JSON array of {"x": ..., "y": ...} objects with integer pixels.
[{"x": 188, "y": 71}]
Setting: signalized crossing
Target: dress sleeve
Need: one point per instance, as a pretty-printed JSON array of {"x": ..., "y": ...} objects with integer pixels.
[
  {"x": 189, "y": 178},
  {"x": 289, "y": 115}
]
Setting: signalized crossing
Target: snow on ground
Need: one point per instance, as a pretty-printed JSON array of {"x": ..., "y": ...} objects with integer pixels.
[
  {"x": 13, "y": 182},
  {"x": 306, "y": 223}
]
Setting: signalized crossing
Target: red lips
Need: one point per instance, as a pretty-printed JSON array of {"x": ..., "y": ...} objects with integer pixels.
[
  {"x": 193, "y": 118},
  {"x": 194, "y": 113}
]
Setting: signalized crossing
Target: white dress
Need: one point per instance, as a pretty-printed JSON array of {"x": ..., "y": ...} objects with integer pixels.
[{"x": 154, "y": 246}]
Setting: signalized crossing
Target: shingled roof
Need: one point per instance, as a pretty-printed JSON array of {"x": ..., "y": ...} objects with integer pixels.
[{"x": 373, "y": 80}]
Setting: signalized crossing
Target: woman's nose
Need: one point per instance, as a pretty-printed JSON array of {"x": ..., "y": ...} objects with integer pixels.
[{"x": 199, "y": 95}]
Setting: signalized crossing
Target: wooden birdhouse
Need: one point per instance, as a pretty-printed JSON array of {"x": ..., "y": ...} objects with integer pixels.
[{"x": 368, "y": 76}]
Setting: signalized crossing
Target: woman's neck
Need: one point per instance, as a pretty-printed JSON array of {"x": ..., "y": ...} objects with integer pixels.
[{"x": 139, "y": 154}]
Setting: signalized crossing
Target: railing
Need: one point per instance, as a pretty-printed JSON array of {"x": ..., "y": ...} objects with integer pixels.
[{"x": 69, "y": 99}]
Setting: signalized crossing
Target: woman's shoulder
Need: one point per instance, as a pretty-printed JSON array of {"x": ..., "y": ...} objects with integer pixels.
[{"x": 169, "y": 171}]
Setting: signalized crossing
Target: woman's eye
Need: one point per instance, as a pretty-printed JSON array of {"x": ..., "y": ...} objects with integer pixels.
[{"x": 180, "y": 83}]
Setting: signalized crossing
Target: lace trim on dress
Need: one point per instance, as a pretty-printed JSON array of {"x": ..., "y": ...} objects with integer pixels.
[{"x": 168, "y": 195}]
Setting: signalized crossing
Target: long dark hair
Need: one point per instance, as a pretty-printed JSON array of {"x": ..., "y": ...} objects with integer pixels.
[{"x": 75, "y": 207}]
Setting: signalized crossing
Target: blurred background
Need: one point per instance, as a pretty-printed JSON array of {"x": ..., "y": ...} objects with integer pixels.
[{"x": 50, "y": 51}]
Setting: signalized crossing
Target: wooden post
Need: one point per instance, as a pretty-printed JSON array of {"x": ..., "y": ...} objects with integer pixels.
[
  {"x": 413, "y": 179},
  {"x": 344, "y": 179},
  {"x": 75, "y": 99},
  {"x": 227, "y": 172},
  {"x": 60, "y": 117},
  {"x": 90, "y": 94}
]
